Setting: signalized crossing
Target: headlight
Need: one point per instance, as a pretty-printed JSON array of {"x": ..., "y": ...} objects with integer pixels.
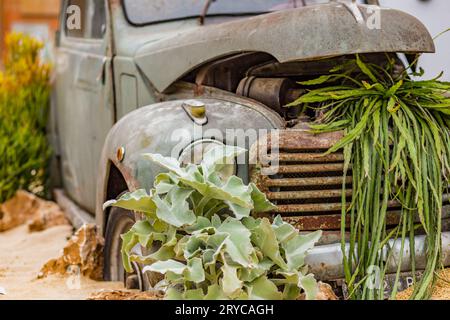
[{"x": 194, "y": 153}]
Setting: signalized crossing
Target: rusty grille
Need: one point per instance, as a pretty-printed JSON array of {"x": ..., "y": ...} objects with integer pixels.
[{"x": 307, "y": 187}]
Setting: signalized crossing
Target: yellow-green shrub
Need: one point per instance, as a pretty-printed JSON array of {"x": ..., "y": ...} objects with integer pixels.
[{"x": 24, "y": 107}]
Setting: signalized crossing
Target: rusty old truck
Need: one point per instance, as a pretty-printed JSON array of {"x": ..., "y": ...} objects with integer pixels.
[{"x": 134, "y": 72}]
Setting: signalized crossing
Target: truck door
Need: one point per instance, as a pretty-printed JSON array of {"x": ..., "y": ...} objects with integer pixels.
[{"x": 84, "y": 95}]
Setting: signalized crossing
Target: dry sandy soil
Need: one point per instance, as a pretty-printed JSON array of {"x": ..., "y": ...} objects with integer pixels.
[
  {"x": 22, "y": 254},
  {"x": 440, "y": 292}
]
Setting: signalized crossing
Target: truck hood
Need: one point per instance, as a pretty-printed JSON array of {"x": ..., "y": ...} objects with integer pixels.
[{"x": 308, "y": 33}]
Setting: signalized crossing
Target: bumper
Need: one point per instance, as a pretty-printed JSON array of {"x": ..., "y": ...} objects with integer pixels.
[{"x": 326, "y": 261}]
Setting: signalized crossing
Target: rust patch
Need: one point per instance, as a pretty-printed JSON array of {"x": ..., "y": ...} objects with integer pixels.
[
  {"x": 305, "y": 140},
  {"x": 330, "y": 222},
  {"x": 300, "y": 182},
  {"x": 314, "y": 194},
  {"x": 308, "y": 168},
  {"x": 304, "y": 157},
  {"x": 321, "y": 207}
]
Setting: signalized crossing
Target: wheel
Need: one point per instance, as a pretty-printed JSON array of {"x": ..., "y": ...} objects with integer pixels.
[{"x": 120, "y": 221}]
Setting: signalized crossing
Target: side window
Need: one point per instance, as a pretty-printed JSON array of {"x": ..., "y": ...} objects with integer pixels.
[
  {"x": 85, "y": 19},
  {"x": 98, "y": 19}
]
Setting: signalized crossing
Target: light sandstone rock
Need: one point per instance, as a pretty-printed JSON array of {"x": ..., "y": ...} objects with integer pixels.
[
  {"x": 83, "y": 253},
  {"x": 25, "y": 207},
  {"x": 48, "y": 215},
  {"x": 325, "y": 292},
  {"x": 125, "y": 295},
  {"x": 18, "y": 210}
]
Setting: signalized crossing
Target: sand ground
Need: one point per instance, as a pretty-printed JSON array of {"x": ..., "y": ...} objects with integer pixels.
[
  {"x": 22, "y": 254},
  {"x": 441, "y": 290}
]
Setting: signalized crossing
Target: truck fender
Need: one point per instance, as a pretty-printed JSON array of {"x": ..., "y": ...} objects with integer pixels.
[{"x": 167, "y": 128}]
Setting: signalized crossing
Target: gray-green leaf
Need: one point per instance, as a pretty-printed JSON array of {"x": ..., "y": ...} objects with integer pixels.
[
  {"x": 264, "y": 289},
  {"x": 230, "y": 282},
  {"x": 139, "y": 201},
  {"x": 296, "y": 248},
  {"x": 174, "y": 208}
]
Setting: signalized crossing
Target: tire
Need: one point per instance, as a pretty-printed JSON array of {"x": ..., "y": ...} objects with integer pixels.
[{"x": 120, "y": 221}]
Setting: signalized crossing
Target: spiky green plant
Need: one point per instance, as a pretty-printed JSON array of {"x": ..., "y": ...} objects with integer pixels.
[{"x": 397, "y": 146}]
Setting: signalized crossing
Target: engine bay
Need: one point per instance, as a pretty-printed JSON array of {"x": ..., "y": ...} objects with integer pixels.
[{"x": 260, "y": 77}]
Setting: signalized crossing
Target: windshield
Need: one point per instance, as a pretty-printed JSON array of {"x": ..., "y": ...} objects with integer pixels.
[{"x": 141, "y": 12}]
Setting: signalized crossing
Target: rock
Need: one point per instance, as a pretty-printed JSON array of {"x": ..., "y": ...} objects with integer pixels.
[
  {"x": 84, "y": 250},
  {"x": 25, "y": 207},
  {"x": 326, "y": 292},
  {"x": 18, "y": 210},
  {"x": 48, "y": 215},
  {"x": 126, "y": 295},
  {"x": 2, "y": 291}
]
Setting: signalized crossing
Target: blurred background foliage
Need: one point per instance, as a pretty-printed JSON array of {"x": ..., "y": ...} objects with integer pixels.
[{"x": 24, "y": 109}]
